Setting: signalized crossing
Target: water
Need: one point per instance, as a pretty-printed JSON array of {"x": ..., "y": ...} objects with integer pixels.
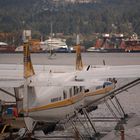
[{"x": 69, "y": 58}]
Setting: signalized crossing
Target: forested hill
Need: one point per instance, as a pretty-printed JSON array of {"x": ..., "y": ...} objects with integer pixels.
[{"x": 99, "y": 16}]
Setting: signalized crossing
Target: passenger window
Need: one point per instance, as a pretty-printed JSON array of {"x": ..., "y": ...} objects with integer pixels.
[
  {"x": 74, "y": 89},
  {"x": 70, "y": 91},
  {"x": 80, "y": 89},
  {"x": 64, "y": 94}
]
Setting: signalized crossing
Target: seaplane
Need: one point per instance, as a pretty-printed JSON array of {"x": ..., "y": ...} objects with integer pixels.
[{"x": 52, "y": 97}]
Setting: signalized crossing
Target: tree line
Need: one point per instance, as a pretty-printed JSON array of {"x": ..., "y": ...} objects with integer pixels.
[{"x": 102, "y": 16}]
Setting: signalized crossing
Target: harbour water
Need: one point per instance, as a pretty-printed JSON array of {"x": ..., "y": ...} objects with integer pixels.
[{"x": 69, "y": 58}]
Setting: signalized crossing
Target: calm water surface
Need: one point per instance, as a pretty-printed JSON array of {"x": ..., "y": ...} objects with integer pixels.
[{"x": 69, "y": 58}]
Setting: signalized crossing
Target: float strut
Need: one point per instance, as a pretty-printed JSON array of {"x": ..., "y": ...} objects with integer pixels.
[
  {"x": 89, "y": 119},
  {"x": 124, "y": 114}
]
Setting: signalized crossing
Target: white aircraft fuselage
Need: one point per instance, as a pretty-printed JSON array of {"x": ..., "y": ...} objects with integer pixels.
[{"x": 55, "y": 103}]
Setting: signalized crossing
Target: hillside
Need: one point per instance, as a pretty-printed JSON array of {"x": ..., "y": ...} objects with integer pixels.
[{"x": 98, "y": 16}]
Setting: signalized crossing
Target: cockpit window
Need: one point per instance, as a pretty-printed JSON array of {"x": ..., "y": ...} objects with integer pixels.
[
  {"x": 107, "y": 83},
  {"x": 98, "y": 87}
]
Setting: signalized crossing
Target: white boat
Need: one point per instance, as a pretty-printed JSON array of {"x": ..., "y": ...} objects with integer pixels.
[
  {"x": 93, "y": 49},
  {"x": 56, "y": 44}
]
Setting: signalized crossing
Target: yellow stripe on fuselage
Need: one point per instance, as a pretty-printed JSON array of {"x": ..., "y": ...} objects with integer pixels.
[
  {"x": 71, "y": 100},
  {"x": 58, "y": 104},
  {"x": 99, "y": 91}
]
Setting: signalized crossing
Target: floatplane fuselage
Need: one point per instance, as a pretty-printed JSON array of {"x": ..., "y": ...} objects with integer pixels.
[{"x": 54, "y": 103}]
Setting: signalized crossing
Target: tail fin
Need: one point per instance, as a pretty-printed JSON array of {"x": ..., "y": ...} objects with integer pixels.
[
  {"x": 28, "y": 67},
  {"x": 79, "y": 63}
]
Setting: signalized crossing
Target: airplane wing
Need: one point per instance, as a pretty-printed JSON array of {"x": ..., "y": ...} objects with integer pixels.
[
  {"x": 87, "y": 78},
  {"x": 132, "y": 71},
  {"x": 14, "y": 77},
  {"x": 60, "y": 79},
  {"x": 64, "y": 84}
]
